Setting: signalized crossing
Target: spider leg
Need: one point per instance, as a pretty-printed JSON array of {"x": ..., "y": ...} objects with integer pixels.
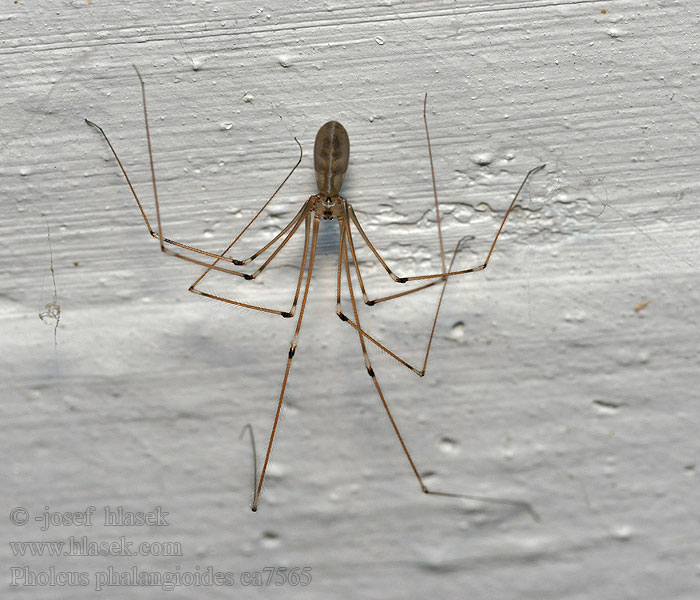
[
  {"x": 158, "y": 234},
  {"x": 524, "y": 506},
  {"x": 345, "y": 242},
  {"x": 248, "y": 427},
  {"x": 290, "y": 356},
  {"x": 304, "y": 215},
  {"x": 445, "y": 272}
]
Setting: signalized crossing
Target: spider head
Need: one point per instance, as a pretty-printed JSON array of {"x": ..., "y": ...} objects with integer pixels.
[{"x": 328, "y": 207}]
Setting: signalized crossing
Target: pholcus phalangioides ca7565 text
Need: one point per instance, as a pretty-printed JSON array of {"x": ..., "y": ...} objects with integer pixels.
[{"x": 331, "y": 156}]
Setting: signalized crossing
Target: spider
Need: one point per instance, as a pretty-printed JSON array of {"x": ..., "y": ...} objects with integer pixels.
[{"x": 331, "y": 156}]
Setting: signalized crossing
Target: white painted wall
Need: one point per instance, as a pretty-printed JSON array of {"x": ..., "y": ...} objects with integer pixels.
[{"x": 545, "y": 384}]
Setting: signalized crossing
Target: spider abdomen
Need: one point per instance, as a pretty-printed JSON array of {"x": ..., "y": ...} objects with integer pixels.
[{"x": 331, "y": 155}]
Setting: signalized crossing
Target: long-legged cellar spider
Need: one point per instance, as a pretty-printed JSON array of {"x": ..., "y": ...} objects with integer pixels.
[{"x": 331, "y": 155}]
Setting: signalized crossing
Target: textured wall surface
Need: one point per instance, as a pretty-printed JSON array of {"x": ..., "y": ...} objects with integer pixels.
[{"x": 565, "y": 375}]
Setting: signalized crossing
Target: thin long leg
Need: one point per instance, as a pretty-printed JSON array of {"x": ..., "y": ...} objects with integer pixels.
[
  {"x": 248, "y": 427},
  {"x": 432, "y": 177},
  {"x": 437, "y": 223},
  {"x": 448, "y": 273},
  {"x": 293, "y": 225},
  {"x": 368, "y": 365},
  {"x": 365, "y": 297},
  {"x": 159, "y": 234},
  {"x": 252, "y": 257},
  {"x": 292, "y": 310},
  {"x": 418, "y": 371},
  {"x": 292, "y": 350}
]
